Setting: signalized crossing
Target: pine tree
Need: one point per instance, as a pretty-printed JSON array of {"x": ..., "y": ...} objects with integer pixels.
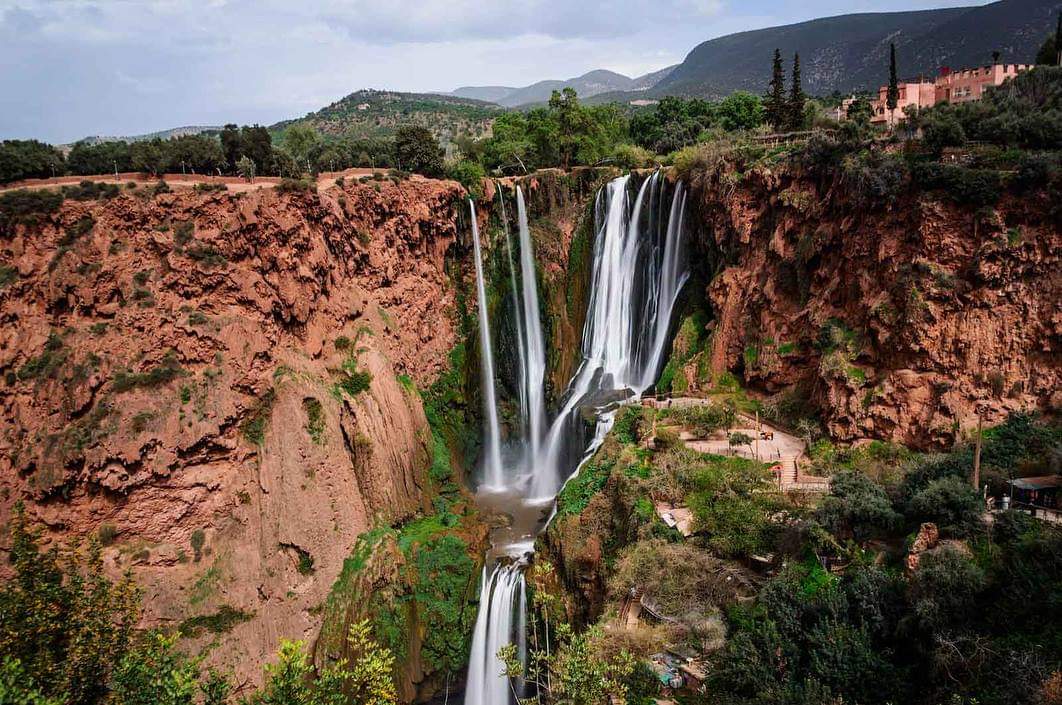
[
  {"x": 893, "y": 97},
  {"x": 796, "y": 98},
  {"x": 775, "y": 104}
]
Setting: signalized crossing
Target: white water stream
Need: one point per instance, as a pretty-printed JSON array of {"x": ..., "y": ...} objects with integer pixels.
[{"x": 637, "y": 274}]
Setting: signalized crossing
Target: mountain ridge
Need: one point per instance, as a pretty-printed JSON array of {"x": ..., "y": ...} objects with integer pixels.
[{"x": 587, "y": 85}]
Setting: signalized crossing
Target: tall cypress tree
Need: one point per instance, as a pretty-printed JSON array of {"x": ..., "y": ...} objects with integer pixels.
[
  {"x": 1058, "y": 39},
  {"x": 893, "y": 97},
  {"x": 796, "y": 98},
  {"x": 775, "y": 105}
]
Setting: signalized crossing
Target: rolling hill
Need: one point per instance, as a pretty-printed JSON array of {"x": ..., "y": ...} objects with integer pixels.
[
  {"x": 372, "y": 113},
  {"x": 851, "y": 52}
]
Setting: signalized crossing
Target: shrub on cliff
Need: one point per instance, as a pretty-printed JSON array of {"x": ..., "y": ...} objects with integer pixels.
[
  {"x": 470, "y": 175},
  {"x": 296, "y": 186},
  {"x": 27, "y": 207},
  {"x": 629, "y": 156},
  {"x": 971, "y": 187}
]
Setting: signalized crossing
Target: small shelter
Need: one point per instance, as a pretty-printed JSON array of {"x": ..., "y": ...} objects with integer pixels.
[{"x": 1037, "y": 492}]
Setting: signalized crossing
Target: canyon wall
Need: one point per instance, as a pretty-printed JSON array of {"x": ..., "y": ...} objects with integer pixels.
[
  {"x": 891, "y": 318},
  {"x": 222, "y": 387}
]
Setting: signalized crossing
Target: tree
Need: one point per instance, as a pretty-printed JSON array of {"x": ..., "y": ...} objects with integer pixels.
[
  {"x": 740, "y": 111},
  {"x": 796, "y": 97},
  {"x": 246, "y": 168},
  {"x": 29, "y": 159},
  {"x": 17, "y": 688},
  {"x": 951, "y": 503},
  {"x": 156, "y": 674},
  {"x": 775, "y": 105},
  {"x": 231, "y": 145},
  {"x": 859, "y": 111},
  {"x": 299, "y": 139},
  {"x": 197, "y": 153},
  {"x": 103, "y": 158},
  {"x": 149, "y": 157},
  {"x": 256, "y": 144},
  {"x": 1050, "y": 53},
  {"x": 740, "y": 439},
  {"x": 892, "y": 98},
  {"x": 62, "y": 619},
  {"x": 367, "y": 680},
  {"x": 856, "y": 507},
  {"x": 572, "y": 124},
  {"x": 418, "y": 151}
]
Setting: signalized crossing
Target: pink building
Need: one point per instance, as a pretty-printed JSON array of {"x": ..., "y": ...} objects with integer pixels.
[
  {"x": 920, "y": 94},
  {"x": 949, "y": 87},
  {"x": 970, "y": 84}
]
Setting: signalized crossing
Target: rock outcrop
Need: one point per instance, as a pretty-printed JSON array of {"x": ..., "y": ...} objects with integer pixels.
[
  {"x": 895, "y": 320},
  {"x": 221, "y": 386}
]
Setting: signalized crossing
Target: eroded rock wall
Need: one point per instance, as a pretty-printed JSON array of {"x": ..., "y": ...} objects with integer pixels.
[
  {"x": 221, "y": 386},
  {"x": 893, "y": 319}
]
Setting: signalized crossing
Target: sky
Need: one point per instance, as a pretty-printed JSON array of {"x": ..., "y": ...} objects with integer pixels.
[{"x": 74, "y": 68}]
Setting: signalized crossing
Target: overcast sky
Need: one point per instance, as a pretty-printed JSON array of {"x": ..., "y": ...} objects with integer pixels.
[{"x": 72, "y": 68}]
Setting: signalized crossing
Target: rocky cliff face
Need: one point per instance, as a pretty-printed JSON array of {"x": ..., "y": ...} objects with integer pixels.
[
  {"x": 222, "y": 387},
  {"x": 894, "y": 321}
]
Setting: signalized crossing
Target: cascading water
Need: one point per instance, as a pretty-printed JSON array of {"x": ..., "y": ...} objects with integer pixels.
[
  {"x": 492, "y": 465},
  {"x": 531, "y": 325},
  {"x": 636, "y": 278},
  {"x": 503, "y": 597}
]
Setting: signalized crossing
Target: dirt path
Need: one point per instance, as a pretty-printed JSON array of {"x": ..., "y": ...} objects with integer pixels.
[
  {"x": 779, "y": 448},
  {"x": 183, "y": 181}
]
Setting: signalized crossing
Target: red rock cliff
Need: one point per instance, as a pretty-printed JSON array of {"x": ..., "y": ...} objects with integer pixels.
[
  {"x": 895, "y": 320},
  {"x": 175, "y": 369}
]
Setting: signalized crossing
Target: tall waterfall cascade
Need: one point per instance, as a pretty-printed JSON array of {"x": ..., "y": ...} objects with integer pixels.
[
  {"x": 493, "y": 471},
  {"x": 637, "y": 275}
]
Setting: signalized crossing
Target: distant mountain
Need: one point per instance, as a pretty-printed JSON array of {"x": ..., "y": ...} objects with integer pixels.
[
  {"x": 851, "y": 52},
  {"x": 491, "y": 94},
  {"x": 649, "y": 80},
  {"x": 372, "y": 113},
  {"x": 587, "y": 85},
  {"x": 162, "y": 134}
]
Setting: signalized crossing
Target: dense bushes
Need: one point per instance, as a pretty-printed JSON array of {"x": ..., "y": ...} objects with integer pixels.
[
  {"x": 67, "y": 636},
  {"x": 202, "y": 153},
  {"x": 29, "y": 159},
  {"x": 27, "y": 207},
  {"x": 1026, "y": 112}
]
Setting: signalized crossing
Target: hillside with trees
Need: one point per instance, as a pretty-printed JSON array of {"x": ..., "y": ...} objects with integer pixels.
[{"x": 851, "y": 52}]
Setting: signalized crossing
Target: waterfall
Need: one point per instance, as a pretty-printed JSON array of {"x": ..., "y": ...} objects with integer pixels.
[
  {"x": 500, "y": 594},
  {"x": 636, "y": 278},
  {"x": 637, "y": 274},
  {"x": 493, "y": 473},
  {"x": 521, "y": 348},
  {"x": 531, "y": 325}
]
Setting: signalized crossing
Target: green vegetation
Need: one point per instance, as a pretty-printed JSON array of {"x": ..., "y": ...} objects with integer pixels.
[
  {"x": 315, "y": 422},
  {"x": 862, "y": 631},
  {"x": 26, "y": 207},
  {"x": 417, "y": 150},
  {"x": 29, "y": 159},
  {"x": 163, "y": 373},
  {"x": 67, "y": 636},
  {"x": 219, "y": 622},
  {"x": 576, "y": 494},
  {"x": 254, "y": 424}
]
